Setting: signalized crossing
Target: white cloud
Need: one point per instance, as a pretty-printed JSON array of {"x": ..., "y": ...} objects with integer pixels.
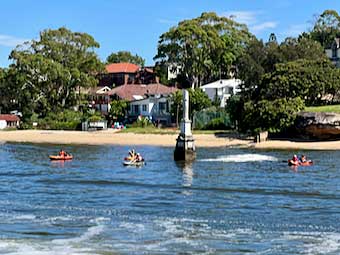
[
  {"x": 244, "y": 17},
  {"x": 263, "y": 26},
  {"x": 253, "y": 19},
  {"x": 11, "y": 41}
]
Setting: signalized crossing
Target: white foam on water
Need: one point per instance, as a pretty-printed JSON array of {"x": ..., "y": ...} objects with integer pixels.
[
  {"x": 71, "y": 246},
  {"x": 91, "y": 232},
  {"x": 316, "y": 242},
  {"x": 241, "y": 158},
  {"x": 29, "y": 217}
]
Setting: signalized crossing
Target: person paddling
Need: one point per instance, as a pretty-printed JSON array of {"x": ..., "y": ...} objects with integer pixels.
[
  {"x": 294, "y": 161},
  {"x": 62, "y": 153},
  {"x": 303, "y": 159}
]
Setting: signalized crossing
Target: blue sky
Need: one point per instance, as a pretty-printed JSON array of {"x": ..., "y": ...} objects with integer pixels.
[{"x": 136, "y": 25}]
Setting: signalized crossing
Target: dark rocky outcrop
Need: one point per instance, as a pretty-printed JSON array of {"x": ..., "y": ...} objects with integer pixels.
[{"x": 318, "y": 125}]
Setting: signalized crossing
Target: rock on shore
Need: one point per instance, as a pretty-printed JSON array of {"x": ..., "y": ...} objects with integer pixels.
[{"x": 318, "y": 125}]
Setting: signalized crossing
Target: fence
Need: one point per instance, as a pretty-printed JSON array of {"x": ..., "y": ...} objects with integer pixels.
[{"x": 211, "y": 119}]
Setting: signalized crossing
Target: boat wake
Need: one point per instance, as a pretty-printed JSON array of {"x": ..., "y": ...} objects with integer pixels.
[{"x": 241, "y": 158}]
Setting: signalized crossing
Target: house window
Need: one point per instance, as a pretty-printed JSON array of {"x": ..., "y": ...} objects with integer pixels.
[
  {"x": 162, "y": 107},
  {"x": 136, "y": 109},
  {"x": 144, "y": 108}
]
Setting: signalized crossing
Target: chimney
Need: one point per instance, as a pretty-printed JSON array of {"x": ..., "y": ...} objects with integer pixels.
[
  {"x": 126, "y": 78},
  {"x": 157, "y": 79}
]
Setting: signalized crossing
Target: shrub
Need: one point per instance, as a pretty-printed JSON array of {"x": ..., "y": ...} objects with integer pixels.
[
  {"x": 142, "y": 122},
  {"x": 67, "y": 120},
  {"x": 215, "y": 124}
]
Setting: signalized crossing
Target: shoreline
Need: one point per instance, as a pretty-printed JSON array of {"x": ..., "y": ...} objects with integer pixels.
[
  {"x": 291, "y": 145},
  {"x": 114, "y": 137}
]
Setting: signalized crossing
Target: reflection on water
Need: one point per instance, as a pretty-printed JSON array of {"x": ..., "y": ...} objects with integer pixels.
[
  {"x": 228, "y": 201},
  {"x": 187, "y": 171}
]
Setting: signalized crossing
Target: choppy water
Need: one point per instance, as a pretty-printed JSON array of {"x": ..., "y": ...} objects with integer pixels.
[{"x": 229, "y": 201}]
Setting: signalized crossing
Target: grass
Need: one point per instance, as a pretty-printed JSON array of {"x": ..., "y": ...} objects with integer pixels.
[
  {"x": 325, "y": 108},
  {"x": 166, "y": 131},
  {"x": 150, "y": 130}
]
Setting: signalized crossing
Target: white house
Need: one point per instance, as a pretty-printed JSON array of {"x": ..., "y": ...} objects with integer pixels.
[
  {"x": 9, "y": 121},
  {"x": 222, "y": 89},
  {"x": 100, "y": 100},
  {"x": 151, "y": 100},
  {"x": 334, "y": 52},
  {"x": 155, "y": 107}
]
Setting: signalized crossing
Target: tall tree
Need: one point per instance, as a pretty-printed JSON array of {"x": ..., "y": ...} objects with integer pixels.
[
  {"x": 301, "y": 48},
  {"x": 205, "y": 47},
  {"x": 125, "y": 56},
  {"x": 51, "y": 69},
  {"x": 326, "y": 28},
  {"x": 307, "y": 79}
]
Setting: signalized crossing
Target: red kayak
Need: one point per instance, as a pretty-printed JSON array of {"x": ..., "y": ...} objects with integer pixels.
[
  {"x": 68, "y": 157},
  {"x": 297, "y": 163}
]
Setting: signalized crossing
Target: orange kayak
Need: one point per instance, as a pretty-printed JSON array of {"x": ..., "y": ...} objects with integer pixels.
[
  {"x": 68, "y": 157},
  {"x": 297, "y": 163}
]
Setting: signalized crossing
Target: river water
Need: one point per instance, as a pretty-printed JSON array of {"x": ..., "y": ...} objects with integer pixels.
[{"x": 229, "y": 201}]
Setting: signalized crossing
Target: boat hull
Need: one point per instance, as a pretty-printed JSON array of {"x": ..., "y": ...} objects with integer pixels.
[
  {"x": 129, "y": 163},
  {"x": 54, "y": 157}
]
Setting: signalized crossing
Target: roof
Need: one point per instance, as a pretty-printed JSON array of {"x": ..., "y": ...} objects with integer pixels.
[
  {"x": 132, "y": 92},
  {"x": 9, "y": 117},
  {"x": 122, "y": 68},
  {"x": 222, "y": 84}
]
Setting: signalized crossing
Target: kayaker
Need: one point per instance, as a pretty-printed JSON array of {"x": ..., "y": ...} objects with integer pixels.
[
  {"x": 132, "y": 154},
  {"x": 139, "y": 158},
  {"x": 294, "y": 160},
  {"x": 62, "y": 153},
  {"x": 303, "y": 159}
]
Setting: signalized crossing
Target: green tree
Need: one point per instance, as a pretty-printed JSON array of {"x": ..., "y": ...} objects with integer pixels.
[
  {"x": 301, "y": 48},
  {"x": 118, "y": 108},
  {"x": 49, "y": 71},
  {"x": 125, "y": 56},
  {"x": 205, "y": 47},
  {"x": 273, "y": 116},
  {"x": 251, "y": 68},
  {"x": 326, "y": 28},
  {"x": 198, "y": 101},
  {"x": 307, "y": 79}
]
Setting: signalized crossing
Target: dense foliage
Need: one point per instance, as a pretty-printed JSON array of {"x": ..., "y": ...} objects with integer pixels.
[
  {"x": 125, "y": 56},
  {"x": 204, "y": 48},
  {"x": 198, "y": 101},
  {"x": 326, "y": 28},
  {"x": 270, "y": 115},
  {"x": 118, "y": 109},
  {"x": 279, "y": 79},
  {"x": 47, "y": 73}
]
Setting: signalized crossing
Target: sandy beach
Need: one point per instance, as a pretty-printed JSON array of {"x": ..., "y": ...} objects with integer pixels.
[
  {"x": 290, "y": 145},
  {"x": 112, "y": 137}
]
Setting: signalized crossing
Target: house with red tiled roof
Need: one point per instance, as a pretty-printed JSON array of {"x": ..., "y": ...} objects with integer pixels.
[
  {"x": 151, "y": 100},
  {"x": 125, "y": 73},
  {"x": 9, "y": 121}
]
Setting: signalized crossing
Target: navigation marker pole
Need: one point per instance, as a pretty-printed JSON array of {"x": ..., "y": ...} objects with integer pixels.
[{"x": 185, "y": 145}]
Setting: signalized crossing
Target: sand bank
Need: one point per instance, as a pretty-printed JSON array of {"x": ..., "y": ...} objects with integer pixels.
[
  {"x": 112, "y": 137},
  {"x": 289, "y": 145}
]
